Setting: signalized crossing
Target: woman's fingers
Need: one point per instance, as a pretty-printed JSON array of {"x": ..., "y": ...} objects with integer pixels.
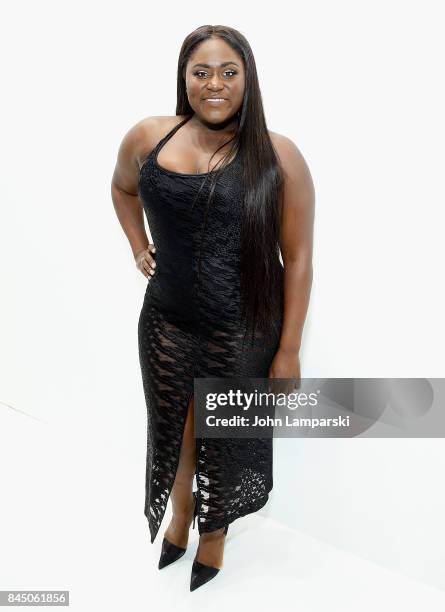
[
  {"x": 152, "y": 263},
  {"x": 149, "y": 263},
  {"x": 145, "y": 262},
  {"x": 146, "y": 267}
]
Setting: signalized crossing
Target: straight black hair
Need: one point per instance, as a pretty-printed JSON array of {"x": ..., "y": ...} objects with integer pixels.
[{"x": 261, "y": 269}]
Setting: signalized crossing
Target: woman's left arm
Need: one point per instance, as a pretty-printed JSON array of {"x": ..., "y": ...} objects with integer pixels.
[{"x": 296, "y": 244}]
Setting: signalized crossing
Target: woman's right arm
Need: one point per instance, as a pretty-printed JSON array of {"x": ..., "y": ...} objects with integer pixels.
[{"x": 135, "y": 145}]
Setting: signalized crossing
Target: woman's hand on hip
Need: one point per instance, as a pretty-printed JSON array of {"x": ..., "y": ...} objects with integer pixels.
[{"x": 145, "y": 261}]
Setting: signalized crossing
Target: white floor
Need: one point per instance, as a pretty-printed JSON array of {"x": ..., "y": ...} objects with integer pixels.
[{"x": 72, "y": 518}]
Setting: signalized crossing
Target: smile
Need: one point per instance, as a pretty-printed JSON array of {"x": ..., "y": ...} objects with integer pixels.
[{"x": 214, "y": 101}]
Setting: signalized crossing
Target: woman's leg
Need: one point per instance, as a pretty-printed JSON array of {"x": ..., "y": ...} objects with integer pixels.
[
  {"x": 181, "y": 495},
  {"x": 211, "y": 544},
  {"x": 211, "y": 548}
]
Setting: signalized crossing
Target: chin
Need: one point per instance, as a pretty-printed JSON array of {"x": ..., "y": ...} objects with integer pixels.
[{"x": 217, "y": 116}]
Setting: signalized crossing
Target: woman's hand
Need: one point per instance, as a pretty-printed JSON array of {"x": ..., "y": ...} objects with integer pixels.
[
  {"x": 145, "y": 262},
  {"x": 286, "y": 364}
]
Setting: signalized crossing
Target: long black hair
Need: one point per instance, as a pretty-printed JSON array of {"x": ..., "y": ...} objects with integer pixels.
[{"x": 261, "y": 270}]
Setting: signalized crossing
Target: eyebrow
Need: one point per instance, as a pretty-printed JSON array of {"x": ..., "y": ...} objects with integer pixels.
[{"x": 222, "y": 65}]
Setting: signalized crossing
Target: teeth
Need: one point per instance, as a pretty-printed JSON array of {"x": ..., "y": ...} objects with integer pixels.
[{"x": 215, "y": 99}]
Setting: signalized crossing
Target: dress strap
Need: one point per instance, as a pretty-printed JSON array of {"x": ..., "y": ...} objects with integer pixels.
[{"x": 170, "y": 134}]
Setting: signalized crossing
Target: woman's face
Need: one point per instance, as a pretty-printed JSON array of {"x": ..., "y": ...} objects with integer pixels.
[{"x": 215, "y": 81}]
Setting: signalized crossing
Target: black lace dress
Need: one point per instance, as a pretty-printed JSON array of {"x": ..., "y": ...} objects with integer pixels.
[{"x": 190, "y": 326}]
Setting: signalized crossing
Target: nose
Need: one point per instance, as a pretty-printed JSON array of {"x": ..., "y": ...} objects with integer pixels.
[{"x": 214, "y": 83}]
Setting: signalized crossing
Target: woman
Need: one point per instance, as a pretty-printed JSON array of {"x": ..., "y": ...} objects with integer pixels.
[{"x": 222, "y": 195}]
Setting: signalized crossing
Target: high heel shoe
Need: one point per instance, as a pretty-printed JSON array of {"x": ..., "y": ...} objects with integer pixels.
[
  {"x": 203, "y": 573},
  {"x": 170, "y": 552}
]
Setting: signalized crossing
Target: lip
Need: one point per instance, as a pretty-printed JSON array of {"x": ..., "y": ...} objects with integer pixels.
[{"x": 215, "y": 101}]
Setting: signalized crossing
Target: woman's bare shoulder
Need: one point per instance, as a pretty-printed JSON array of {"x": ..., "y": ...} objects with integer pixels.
[
  {"x": 289, "y": 155},
  {"x": 299, "y": 190},
  {"x": 136, "y": 145},
  {"x": 147, "y": 132},
  {"x": 286, "y": 148}
]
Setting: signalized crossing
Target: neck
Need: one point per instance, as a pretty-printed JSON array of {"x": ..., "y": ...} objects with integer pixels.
[{"x": 228, "y": 125}]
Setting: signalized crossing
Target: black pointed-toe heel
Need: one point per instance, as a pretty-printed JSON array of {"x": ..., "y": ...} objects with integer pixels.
[
  {"x": 203, "y": 573},
  {"x": 170, "y": 552}
]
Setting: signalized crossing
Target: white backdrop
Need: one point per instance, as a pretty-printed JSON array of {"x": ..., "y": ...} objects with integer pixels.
[{"x": 357, "y": 87}]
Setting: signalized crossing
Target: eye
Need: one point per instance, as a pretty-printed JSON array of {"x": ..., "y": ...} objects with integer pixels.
[{"x": 202, "y": 73}]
